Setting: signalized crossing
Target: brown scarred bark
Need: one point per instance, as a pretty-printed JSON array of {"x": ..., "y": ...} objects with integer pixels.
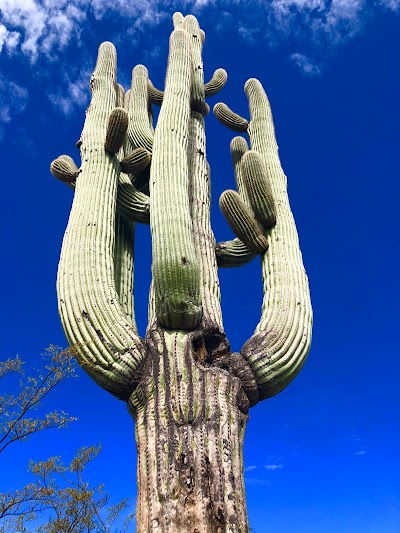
[{"x": 190, "y": 421}]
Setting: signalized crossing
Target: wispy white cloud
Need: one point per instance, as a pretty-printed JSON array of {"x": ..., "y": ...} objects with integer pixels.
[
  {"x": 274, "y": 466},
  {"x": 46, "y": 26},
  {"x": 74, "y": 94},
  {"x": 250, "y": 468},
  {"x": 360, "y": 452},
  {"x": 13, "y": 99},
  {"x": 305, "y": 64}
]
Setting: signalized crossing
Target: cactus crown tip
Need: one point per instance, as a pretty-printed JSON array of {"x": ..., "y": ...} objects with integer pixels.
[{"x": 251, "y": 82}]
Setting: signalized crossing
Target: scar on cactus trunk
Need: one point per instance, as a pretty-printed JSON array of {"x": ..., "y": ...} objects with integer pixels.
[{"x": 187, "y": 392}]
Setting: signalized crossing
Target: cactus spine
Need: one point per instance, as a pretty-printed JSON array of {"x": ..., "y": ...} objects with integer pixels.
[{"x": 188, "y": 393}]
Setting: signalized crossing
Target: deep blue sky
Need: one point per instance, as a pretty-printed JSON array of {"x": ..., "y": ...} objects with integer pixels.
[{"x": 323, "y": 456}]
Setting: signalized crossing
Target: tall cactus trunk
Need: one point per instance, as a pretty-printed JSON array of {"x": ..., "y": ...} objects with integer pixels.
[{"x": 190, "y": 423}]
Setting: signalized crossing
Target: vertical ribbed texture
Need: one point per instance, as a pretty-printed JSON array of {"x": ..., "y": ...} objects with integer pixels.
[
  {"x": 277, "y": 350},
  {"x": 108, "y": 347},
  {"x": 176, "y": 272},
  {"x": 140, "y": 133},
  {"x": 123, "y": 248},
  {"x": 197, "y": 92},
  {"x": 189, "y": 435},
  {"x": 203, "y": 236}
]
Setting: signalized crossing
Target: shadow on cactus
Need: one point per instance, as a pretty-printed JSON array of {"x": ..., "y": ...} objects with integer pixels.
[{"x": 188, "y": 393}]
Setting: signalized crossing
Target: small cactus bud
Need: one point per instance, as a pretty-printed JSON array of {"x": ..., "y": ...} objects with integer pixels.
[
  {"x": 230, "y": 119},
  {"x": 116, "y": 129},
  {"x": 64, "y": 169}
]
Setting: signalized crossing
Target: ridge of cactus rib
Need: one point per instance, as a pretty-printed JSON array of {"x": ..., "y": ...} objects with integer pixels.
[
  {"x": 228, "y": 118},
  {"x": 217, "y": 82},
  {"x": 242, "y": 222},
  {"x": 64, "y": 169},
  {"x": 116, "y": 130}
]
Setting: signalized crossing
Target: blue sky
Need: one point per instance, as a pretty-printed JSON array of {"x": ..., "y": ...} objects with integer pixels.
[{"x": 323, "y": 455}]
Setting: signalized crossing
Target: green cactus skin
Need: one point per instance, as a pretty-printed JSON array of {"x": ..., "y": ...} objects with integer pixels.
[
  {"x": 233, "y": 253},
  {"x": 116, "y": 130},
  {"x": 155, "y": 95},
  {"x": 176, "y": 273},
  {"x": 109, "y": 348},
  {"x": 228, "y": 118},
  {"x": 64, "y": 169},
  {"x": 140, "y": 132},
  {"x": 217, "y": 82},
  {"x": 242, "y": 221},
  {"x": 278, "y": 349},
  {"x": 258, "y": 188},
  {"x": 136, "y": 161},
  {"x": 187, "y": 392}
]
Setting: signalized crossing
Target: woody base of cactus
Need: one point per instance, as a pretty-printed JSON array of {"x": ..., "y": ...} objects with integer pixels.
[{"x": 190, "y": 421}]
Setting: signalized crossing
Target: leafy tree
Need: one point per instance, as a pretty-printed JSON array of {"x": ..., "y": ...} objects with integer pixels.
[
  {"x": 59, "y": 500},
  {"x": 16, "y": 422}
]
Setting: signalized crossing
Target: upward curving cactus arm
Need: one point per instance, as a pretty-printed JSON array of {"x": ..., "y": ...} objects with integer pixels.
[
  {"x": 277, "y": 350},
  {"x": 108, "y": 346}
]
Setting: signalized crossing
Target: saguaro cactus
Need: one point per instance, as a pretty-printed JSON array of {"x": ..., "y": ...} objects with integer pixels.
[{"x": 188, "y": 393}]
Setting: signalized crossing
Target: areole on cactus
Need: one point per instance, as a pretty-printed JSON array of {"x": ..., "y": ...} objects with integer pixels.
[{"x": 188, "y": 393}]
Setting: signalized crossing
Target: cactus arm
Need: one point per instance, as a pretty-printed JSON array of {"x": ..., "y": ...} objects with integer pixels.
[
  {"x": 124, "y": 244},
  {"x": 155, "y": 95},
  {"x": 131, "y": 203},
  {"x": 241, "y": 220},
  {"x": 109, "y": 349},
  {"x": 178, "y": 20},
  {"x": 228, "y": 118},
  {"x": 277, "y": 350},
  {"x": 140, "y": 132},
  {"x": 175, "y": 268},
  {"x": 233, "y": 253},
  {"x": 217, "y": 82}
]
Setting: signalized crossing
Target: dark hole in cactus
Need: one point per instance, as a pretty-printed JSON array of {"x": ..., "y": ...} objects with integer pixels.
[
  {"x": 210, "y": 346},
  {"x": 184, "y": 261}
]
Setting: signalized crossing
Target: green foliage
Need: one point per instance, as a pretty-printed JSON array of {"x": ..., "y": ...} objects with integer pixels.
[
  {"x": 59, "y": 500},
  {"x": 15, "y": 409}
]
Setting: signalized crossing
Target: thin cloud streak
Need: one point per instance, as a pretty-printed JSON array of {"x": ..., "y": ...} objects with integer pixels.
[{"x": 274, "y": 467}]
